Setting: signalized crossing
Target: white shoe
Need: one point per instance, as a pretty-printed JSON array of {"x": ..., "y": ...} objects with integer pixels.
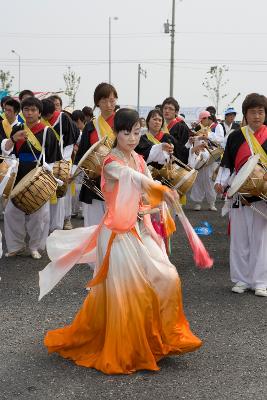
[
  {"x": 35, "y": 254},
  {"x": 261, "y": 292},
  {"x": 212, "y": 207},
  {"x": 197, "y": 207},
  {"x": 240, "y": 288}
]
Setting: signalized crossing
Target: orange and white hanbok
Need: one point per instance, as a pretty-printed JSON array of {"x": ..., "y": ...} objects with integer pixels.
[{"x": 133, "y": 314}]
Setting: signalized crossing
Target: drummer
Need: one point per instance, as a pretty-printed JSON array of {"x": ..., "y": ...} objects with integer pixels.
[
  {"x": 63, "y": 130},
  {"x": 198, "y": 157},
  {"x": 105, "y": 98},
  {"x": 16, "y": 223},
  {"x": 248, "y": 250},
  {"x": 175, "y": 125},
  {"x": 155, "y": 145},
  {"x": 10, "y": 118}
]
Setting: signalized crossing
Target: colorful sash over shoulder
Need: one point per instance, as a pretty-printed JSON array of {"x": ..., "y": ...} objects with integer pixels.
[
  {"x": 253, "y": 142},
  {"x": 103, "y": 128},
  {"x": 167, "y": 128},
  {"x": 52, "y": 122},
  {"x": 7, "y": 128},
  {"x": 31, "y": 136},
  {"x": 252, "y": 145},
  {"x": 155, "y": 139}
]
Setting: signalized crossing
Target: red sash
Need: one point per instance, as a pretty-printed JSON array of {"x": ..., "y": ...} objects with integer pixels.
[
  {"x": 174, "y": 122},
  {"x": 54, "y": 117},
  {"x": 94, "y": 135},
  {"x": 244, "y": 151},
  {"x": 159, "y": 136},
  {"x": 35, "y": 129}
]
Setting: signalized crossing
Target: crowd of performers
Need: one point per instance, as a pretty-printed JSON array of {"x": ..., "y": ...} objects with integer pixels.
[{"x": 133, "y": 313}]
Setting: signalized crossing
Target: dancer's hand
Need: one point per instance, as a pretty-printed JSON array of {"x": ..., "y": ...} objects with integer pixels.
[{"x": 171, "y": 197}]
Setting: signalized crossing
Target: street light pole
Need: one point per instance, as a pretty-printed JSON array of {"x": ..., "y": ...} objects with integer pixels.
[
  {"x": 140, "y": 72},
  {"x": 109, "y": 47},
  {"x": 14, "y": 52}
]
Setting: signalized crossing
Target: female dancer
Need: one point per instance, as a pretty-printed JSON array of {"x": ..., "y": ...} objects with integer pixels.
[{"x": 133, "y": 315}]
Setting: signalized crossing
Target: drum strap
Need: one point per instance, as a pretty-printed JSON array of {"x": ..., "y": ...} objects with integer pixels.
[
  {"x": 45, "y": 122},
  {"x": 254, "y": 145}
]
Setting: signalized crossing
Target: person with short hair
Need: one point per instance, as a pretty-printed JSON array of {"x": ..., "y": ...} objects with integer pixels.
[
  {"x": 29, "y": 147},
  {"x": 88, "y": 113},
  {"x": 57, "y": 100},
  {"x": 248, "y": 228},
  {"x": 105, "y": 97},
  {"x": 24, "y": 94},
  {"x": 63, "y": 129},
  {"x": 11, "y": 109},
  {"x": 203, "y": 187},
  {"x": 133, "y": 315},
  {"x": 176, "y": 127},
  {"x": 155, "y": 145},
  {"x": 223, "y": 129}
]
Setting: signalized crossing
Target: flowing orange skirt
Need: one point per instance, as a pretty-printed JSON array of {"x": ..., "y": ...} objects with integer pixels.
[{"x": 133, "y": 318}]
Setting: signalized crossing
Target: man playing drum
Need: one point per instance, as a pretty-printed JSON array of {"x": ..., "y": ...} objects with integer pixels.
[
  {"x": 248, "y": 244},
  {"x": 26, "y": 144},
  {"x": 62, "y": 127}
]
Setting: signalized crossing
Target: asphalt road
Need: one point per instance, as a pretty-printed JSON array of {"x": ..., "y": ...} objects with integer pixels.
[{"x": 232, "y": 364}]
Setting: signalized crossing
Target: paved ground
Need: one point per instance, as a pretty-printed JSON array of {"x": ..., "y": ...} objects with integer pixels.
[{"x": 232, "y": 364}]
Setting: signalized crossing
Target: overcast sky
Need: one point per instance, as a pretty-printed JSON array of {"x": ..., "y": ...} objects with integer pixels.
[{"x": 51, "y": 35}]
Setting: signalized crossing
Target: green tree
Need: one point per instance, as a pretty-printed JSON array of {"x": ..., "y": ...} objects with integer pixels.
[
  {"x": 6, "y": 80},
  {"x": 72, "y": 81},
  {"x": 215, "y": 83}
]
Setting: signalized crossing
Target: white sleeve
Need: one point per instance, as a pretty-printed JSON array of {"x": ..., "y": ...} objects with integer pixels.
[
  {"x": 218, "y": 135},
  {"x": 223, "y": 176},
  {"x": 67, "y": 152},
  {"x": 157, "y": 154},
  {"x": 4, "y": 151}
]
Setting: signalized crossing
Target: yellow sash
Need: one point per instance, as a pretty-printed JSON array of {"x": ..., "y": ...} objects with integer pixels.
[
  {"x": 105, "y": 129},
  {"x": 257, "y": 148},
  {"x": 152, "y": 138},
  {"x": 7, "y": 128},
  {"x": 165, "y": 127},
  {"x": 47, "y": 123},
  {"x": 33, "y": 139}
]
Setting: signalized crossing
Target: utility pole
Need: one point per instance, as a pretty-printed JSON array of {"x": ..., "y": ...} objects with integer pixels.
[
  {"x": 144, "y": 73},
  {"x": 170, "y": 28}
]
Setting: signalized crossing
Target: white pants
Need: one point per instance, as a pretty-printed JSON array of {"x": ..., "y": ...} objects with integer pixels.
[
  {"x": 204, "y": 185},
  {"x": 68, "y": 203},
  {"x": 248, "y": 246},
  {"x": 76, "y": 203},
  {"x": 57, "y": 215},
  {"x": 17, "y": 224},
  {"x": 93, "y": 213}
]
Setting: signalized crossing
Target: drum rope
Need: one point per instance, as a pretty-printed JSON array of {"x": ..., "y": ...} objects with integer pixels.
[{"x": 253, "y": 207}]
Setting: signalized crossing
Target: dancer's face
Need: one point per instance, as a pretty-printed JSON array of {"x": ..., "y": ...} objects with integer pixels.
[{"x": 127, "y": 141}]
